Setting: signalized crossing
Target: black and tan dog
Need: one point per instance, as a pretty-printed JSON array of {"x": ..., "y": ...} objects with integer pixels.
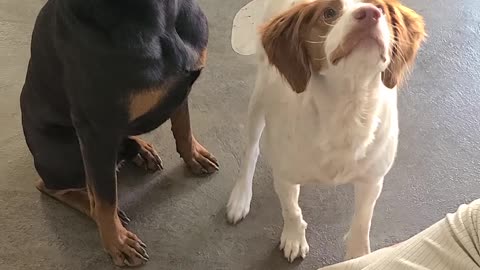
[{"x": 100, "y": 73}]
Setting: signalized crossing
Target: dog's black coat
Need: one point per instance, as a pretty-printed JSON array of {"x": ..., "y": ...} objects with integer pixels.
[
  {"x": 92, "y": 64},
  {"x": 87, "y": 58}
]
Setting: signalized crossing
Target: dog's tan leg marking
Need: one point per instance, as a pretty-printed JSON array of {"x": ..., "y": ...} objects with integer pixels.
[
  {"x": 77, "y": 199},
  {"x": 198, "y": 159},
  {"x": 125, "y": 248},
  {"x": 202, "y": 60}
]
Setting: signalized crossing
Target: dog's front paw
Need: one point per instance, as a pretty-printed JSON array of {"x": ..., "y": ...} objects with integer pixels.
[
  {"x": 125, "y": 248},
  {"x": 147, "y": 157},
  {"x": 199, "y": 160},
  {"x": 239, "y": 203},
  {"x": 294, "y": 243}
]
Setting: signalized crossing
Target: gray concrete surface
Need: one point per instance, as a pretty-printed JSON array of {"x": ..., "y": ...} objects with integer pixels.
[{"x": 181, "y": 218}]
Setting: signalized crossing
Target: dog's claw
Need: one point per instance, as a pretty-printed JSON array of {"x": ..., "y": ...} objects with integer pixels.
[
  {"x": 119, "y": 166},
  {"x": 123, "y": 217},
  {"x": 125, "y": 249},
  {"x": 294, "y": 244}
]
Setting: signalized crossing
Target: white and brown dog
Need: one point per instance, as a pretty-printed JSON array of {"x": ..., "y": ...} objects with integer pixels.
[{"x": 326, "y": 96}]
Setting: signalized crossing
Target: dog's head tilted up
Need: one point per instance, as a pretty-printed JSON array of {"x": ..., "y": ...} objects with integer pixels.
[{"x": 343, "y": 37}]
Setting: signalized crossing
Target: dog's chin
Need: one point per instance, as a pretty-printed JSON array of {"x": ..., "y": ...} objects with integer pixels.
[
  {"x": 365, "y": 59},
  {"x": 371, "y": 45}
]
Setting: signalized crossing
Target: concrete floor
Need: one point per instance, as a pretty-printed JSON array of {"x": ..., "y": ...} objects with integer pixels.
[{"x": 181, "y": 218}]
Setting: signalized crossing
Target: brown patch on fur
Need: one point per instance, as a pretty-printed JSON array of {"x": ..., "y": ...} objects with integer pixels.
[
  {"x": 108, "y": 222},
  {"x": 293, "y": 41},
  {"x": 182, "y": 131},
  {"x": 124, "y": 247},
  {"x": 75, "y": 198},
  {"x": 91, "y": 200},
  {"x": 202, "y": 60},
  {"x": 408, "y": 32},
  {"x": 141, "y": 102},
  {"x": 106, "y": 217},
  {"x": 198, "y": 159},
  {"x": 79, "y": 198}
]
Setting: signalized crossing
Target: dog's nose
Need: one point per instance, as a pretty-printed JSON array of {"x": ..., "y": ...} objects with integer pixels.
[{"x": 367, "y": 15}]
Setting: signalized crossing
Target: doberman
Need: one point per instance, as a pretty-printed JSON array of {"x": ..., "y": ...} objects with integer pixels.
[{"x": 102, "y": 72}]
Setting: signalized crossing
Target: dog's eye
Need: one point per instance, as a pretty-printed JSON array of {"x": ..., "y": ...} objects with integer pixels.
[{"x": 329, "y": 13}]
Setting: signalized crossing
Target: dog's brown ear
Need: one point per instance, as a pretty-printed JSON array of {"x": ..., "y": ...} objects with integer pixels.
[
  {"x": 408, "y": 30},
  {"x": 283, "y": 39}
]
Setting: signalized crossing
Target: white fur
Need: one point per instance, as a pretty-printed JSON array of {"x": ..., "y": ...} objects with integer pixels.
[{"x": 342, "y": 129}]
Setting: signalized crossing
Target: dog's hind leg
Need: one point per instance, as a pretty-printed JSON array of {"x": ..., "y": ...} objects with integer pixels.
[
  {"x": 75, "y": 198},
  {"x": 239, "y": 203},
  {"x": 58, "y": 161},
  {"x": 358, "y": 238}
]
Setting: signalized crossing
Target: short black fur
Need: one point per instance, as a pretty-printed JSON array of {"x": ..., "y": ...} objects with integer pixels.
[{"x": 88, "y": 57}]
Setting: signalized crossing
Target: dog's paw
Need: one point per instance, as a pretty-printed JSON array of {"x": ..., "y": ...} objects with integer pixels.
[
  {"x": 147, "y": 157},
  {"x": 294, "y": 243},
  {"x": 239, "y": 203},
  {"x": 125, "y": 248},
  {"x": 200, "y": 161}
]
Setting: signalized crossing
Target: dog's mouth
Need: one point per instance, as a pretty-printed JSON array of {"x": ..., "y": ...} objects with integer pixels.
[{"x": 356, "y": 39}]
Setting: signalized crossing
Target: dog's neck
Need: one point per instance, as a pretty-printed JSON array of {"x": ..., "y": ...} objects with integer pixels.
[
  {"x": 354, "y": 102},
  {"x": 348, "y": 92}
]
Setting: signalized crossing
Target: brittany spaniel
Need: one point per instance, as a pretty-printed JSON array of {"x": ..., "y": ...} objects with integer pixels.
[{"x": 326, "y": 96}]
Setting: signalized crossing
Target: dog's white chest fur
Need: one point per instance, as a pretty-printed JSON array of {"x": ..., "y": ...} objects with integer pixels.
[{"x": 327, "y": 136}]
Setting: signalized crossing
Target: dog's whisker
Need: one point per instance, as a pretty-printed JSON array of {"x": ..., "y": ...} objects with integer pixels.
[
  {"x": 320, "y": 59},
  {"x": 315, "y": 42}
]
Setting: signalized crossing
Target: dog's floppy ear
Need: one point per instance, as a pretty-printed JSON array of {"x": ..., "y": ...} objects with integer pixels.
[
  {"x": 283, "y": 39},
  {"x": 408, "y": 31}
]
